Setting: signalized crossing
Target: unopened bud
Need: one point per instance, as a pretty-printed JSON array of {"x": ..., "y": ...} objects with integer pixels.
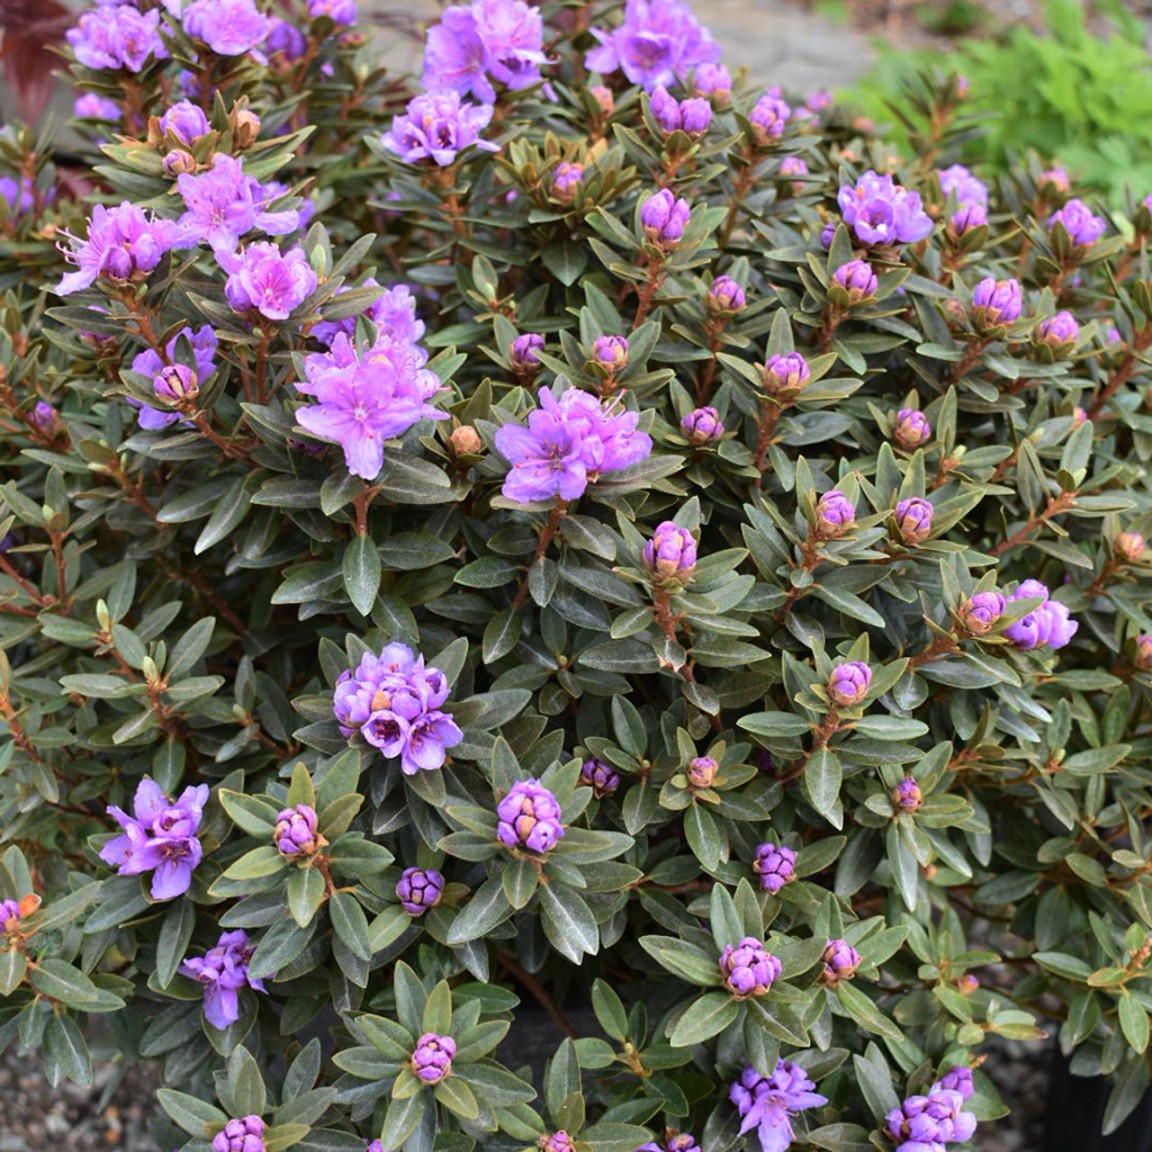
[
  {"x": 1129, "y": 546},
  {"x": 246, "y": 128},
  {"x": 1143, "y": 658},
  {"x": 179, "y": 163},
  {"x": 906, "y": 795},
  {"x": 465, "y": 441},
  {"x": 786, "y": 376},
  {"x": 177, "y": 384},
  {"x": 701, "y": 771}
]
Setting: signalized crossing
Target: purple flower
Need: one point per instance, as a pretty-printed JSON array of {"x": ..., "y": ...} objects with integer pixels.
[
  {"x": 365, "y": 397},
  {"x": 701, "y": 771},
  {"x": 692, "y": 116},
  {"x": 1129, "y": 547},
  {"x": 148, "y": 363},
  {"x": 338, "y": 11},
  {"x": 713, "y": 81},
  {"x": 840, "y": 961},
  {"x": 979, "y": 613},
  {"x": 159, "y": 838},
  {"x": 927, "y": 1123},
  {"x": 223, "y": 970},
  {"x": 914, "y": 519},
  {"x": 44, "y": 417},
  {"x": 906, "y": 795},
  {"x": 702, "y": 426},
  {"x": 569, "y": 442},
  {"x": 1082, "y": 227},
  {"x": 911, "y": 429},
  {"x": 438, "y": 126},
  {"x": 185, "y": 121},
  {"x": 968, "y": 189},
  {"x": 610, "y": 353},
  {"x": 835, "y": 514},
  {"x": 767, "y": 1102},
  {"x": 748, "y": 968},
  {"x": 284, "y": 39},
  {"x": 957, "y": 1079},
  {"x": 1059, "y": 332},
  {"x": 785, "y": 375},
  {"x": 432, "y": 1060},
  {"x": 243, "y": 1135},
  {"x": 671, "y": 553},
  {"x": 768, "y": 118},
  {"x": 996, "y": 303},
  {"x": 775, "y": 865},
  {"x": 1056, "y": 179},
  {"x": 93, "y": 107},
  {"x": 523, "y": 356},
  {"x": 419, "y": 889},
  {"x": 558, "y": 1142},
  {"x": 566, "y": 179},
  {"x": 967, "y": 217},
  {"x": 658, "y": 42},
  {"x": 725, "y": 297},
  {"x": 266, "y": 280},
  {"x": 857, "y": 279},
  {"x": 849, "y": 683},
  {"x": 600, "y": 777},
  {"x": 118, "y": 37},
  {"x": 228, "y": 27},
  {"x": 664, "y": 218},
  {"x": 881, "y": 212},
  {"x": 1049, "y": 624},
  {"x": 794, "y": 166},
  {"x": 296, "y": 832},
  {"x": 223, "y": 204},
  {"x": 393, "y": 315},
  {"x": 529, "y": 817},
  {"x": 123, "y": 243}
]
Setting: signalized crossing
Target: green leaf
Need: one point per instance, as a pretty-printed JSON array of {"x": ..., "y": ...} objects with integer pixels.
[
  {"x": 193, "y": 1115},
  {"x": 362, "y": 573},
  {"x": 704, "y": 837},
  {"x": 821, "y": 783},
  {"x": 402, "y": 1119},
  {"x": 350, "y": 924},
  {"x": 519, "y": 879},
  {"x": 1134, "y": 1021},
  {"x": 609, "y": 1010},
  {"x": 230, "y": 510},
  {"x": 61, "y": 981},
  {"x": 278, "y": 947},
  {"x": 175, "y": 933},
  {"x": 683, "y": 959},
  {"x": 568, "y": 921},
  {"x": 501, "y": 635},
  {"x": 707, "y": 1017},
  {"x": 487, "y": 908},
  {"x": 305, "y": 894},
  {"x": 256, "y": 817},
  {"x": 64, "y": 1042},
  {"x": 861, "y": 1008},
  {"x": 457, "y": 1097},
  {"x": 245, "y": 1084},
  {"x": 13, "y": 966}
]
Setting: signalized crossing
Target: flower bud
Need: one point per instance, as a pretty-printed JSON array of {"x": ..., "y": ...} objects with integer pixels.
[
  {"x": 419, "y": 889},
  {"x": 978, "y": 614},
  {"x": 565, "y": 180},
  {"x": 1055, "y": 180},
  {"x": 775, "y": 865},
  {"x": 967, "y": 984},
  {"x": 1059, "y": 332},
  {"x": 726, "y": 297},
  {"x": 610, "y": 353},
  {"x": 996, "y": 304},
  {"x": 558, "y": 1142},
  {"x": 529, "y": 817},
  {"x": 432, "y": 1059},
  {"x": 671, "y": 553},
  {"x": 840, "y": 962},
  {"x": 45, "y": 418},
  {"x": 748, "y": 968},
  {"x": 835, "y": 514},
  {"x": 786, "y": 376},
  {"x": 911, "y": 429},
  {"x": 523, "y": 354},
  {"x": 849, "y": 683},
  {"x": 664, "y": 218},
  {"x": 794, "y": 166},
  {"x": 600, "y": 777},
  {"x": 1129, "y": 547},
  {"x": 857, "y": 279},
  {"x": 768, "y": 119},
  {"x": 701, "y": 771},
  {"x": 914, "y": 519},
  {"x": 666, "y": 111},
  {"x": 185, "y": 123},
  {"x": 178, "y": 163},
  {"x": 966, "y": 217},
  {"x": 177, "y": 384},
  {"x": 702, "y": 426},
  {"x": 1143, "y": 659},
  {"x": 1079, "y": 416},
  {"x": 246, "y": 128},
  {"x": 242, "y": 1135},
  {"x": 465, "y": 441},
  {"x": 906, "y": 795},
  {"x": 713, "y": 81},
  {"x": 604, "y": 98},
  {"x": 958, "y": 1079},
  {"x": 1083, "y": 228},
  {"x": 696, "y": 115},
  {"x": 296, "y": 835}
]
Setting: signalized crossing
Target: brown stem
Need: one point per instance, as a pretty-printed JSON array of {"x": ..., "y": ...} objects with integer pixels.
[
  {"x": 740, "y": 190},
  {"x": 1123, "y": 373},
  {"x": 810, "y": 560},
  {"x": 539, "y": 994},
  {"x": 972, "y": 356},
  {"x": 547, "y": 535},
  {"x": 1056, "y": 505},
  {"x": 770, "y": 413}
]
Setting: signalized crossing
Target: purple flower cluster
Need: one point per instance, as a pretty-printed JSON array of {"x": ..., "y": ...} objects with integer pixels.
[
  {"x": 785, "y": 375},
  {"x": 419, "y": 889},
  {"x": 914, "y": 519},
  {"x": 880, "y": 212},
  {"x": 223, "y": 970},
  {"x": 432, "y": 1059},
  {"x": 692, "y": 116},
  {"x": 971, "y": 196},
  {"x": 748, "y": 968},
  {"x": 657, "y": 43},
  {"x": 243, "y": 1135},
  {"x": 522, "y": 356},
  {"x": 911, "y": 429},
  {"x": 224, "y": 203},
  {"x": 713, "y": 81},
  {"x": 1059, "y": 332},
  {"x": 840, "y": 961},
  {"x": 228, "y": 27},
  {"x": 775, "y": 864},
  {"x": 529, "y": 817},
  {"x": 123, "y": 243},
  {"x": 600, "y": 777},
  {"x": 767, "y": 1103},
  {"x": 90, "y": 106},
  {"x": 849, "y": 683},
  {"x": 297, "y": 834},
  {"x": 569, "y": 442},
  {"x": 1082, "y": 226},
  {"x": 393, "y": 315},
  {"x": 366, "y": 396},
  {"x": 119, "y": 37},
  {"x": 857, "y": 279},
  {"x": 264, "y": 279},
  {"x": 1049, "y": 624},
  {"x": 673, "y": 1142},
  {"x": 394, "y": 701},
  {"x": 702, "y": 426},
  {"x": 671, "y": 553},
  {"x": 996, "y": 303},
  {"x": 835, "y": 514},
  {"x": 928, "y": 1123},
  {"x": 664, "y": 218},
  {"x": 769, "y": 116},
  {"x": 558, "y": 1141},
  {"x": 979, "y": 613},
  {"x": 501, "y": 40},
  {"x": 701, "y": 772},
  {"x": 907, "y": 796},
  {"x": 159, "y": 838},
  {"x": 148, "y": 363},
  {"x": 342, "y": 12},
  {"x": 438, "y": 126},
  {"x": 610, "y": 353}
]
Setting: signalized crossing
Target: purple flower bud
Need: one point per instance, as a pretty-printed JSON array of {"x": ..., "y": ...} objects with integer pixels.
[
  {"x": 932, "y": 1121},
  {"x": 849, "y": 683},
  {"x": 768, "y": 119},
  {"x": 45, "y": 418},
  {"x": 342, "y": 12},
  {"x": 243, "y": 1135},
  {"x": 996, "y": 303},
  {"x": 566, "y": 179},
  {"x": 957, "y": 1079},
  {"x": 914, "y": 519},
  {"x": 600, "y": 777},
  {"x": 715, "y": 81},
  {"x": 725, "y": 297},
  {"x": 523, "y": 357},
  {"x": 906, "y": 795},
  {"x": 177, "y": 162},
  {"x": 432, "y": 1060},
  {"x": 680, "y": 1141},
  {"x": 702, "y": 426},
  {"x": 701, "y": 771},
  {"x": 1049, "y": 624},
  {"x": 419, "y": 889},
  {"x": 827, "y": 234},
  {"x": 857, "y": 279},
  {"x": 835, "y": 514},
  {"x": 176, "y": 384},
  {"x": 1129, "y": 546},
  {"x": 696, "y": 115},
  {"x": 748, "y": 968},
  {"x": 840, "y": 961},
  {"x": 775, "y": 865},
  {"x": 558, "y": 1142},
  {"x": 1143, "y": 658},
  {"x": 967, "y": 217},
  {"x": 529, "y": 817},
  {"x": 1055, "y": 180},
  {"x": 1059, "y": 332},
  {"x": 664, "y": 218},
  {"x": 604, "y": 98},
  {"x": 671, "y": 553},
  {"x": 185, "y": 122},
  {"x": 611, "y": 353},
  {"x": 1083, "y": 228},
  {"x": 93, "y": 107},
  {"x": 666, "y": 111},
  {"x": 911, "y": 429},
  {"x": 967, "y": 984},
  {"x": 786, "y": 376},
  {"x": 9, "y": 915},
  {"x": 980, "y": 613},
  {"x": 796, "y": 166},
  {"x": 296, "y": 835}
]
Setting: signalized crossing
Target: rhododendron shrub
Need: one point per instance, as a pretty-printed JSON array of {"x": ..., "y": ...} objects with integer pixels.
[{"x": 563, "y": 529}]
